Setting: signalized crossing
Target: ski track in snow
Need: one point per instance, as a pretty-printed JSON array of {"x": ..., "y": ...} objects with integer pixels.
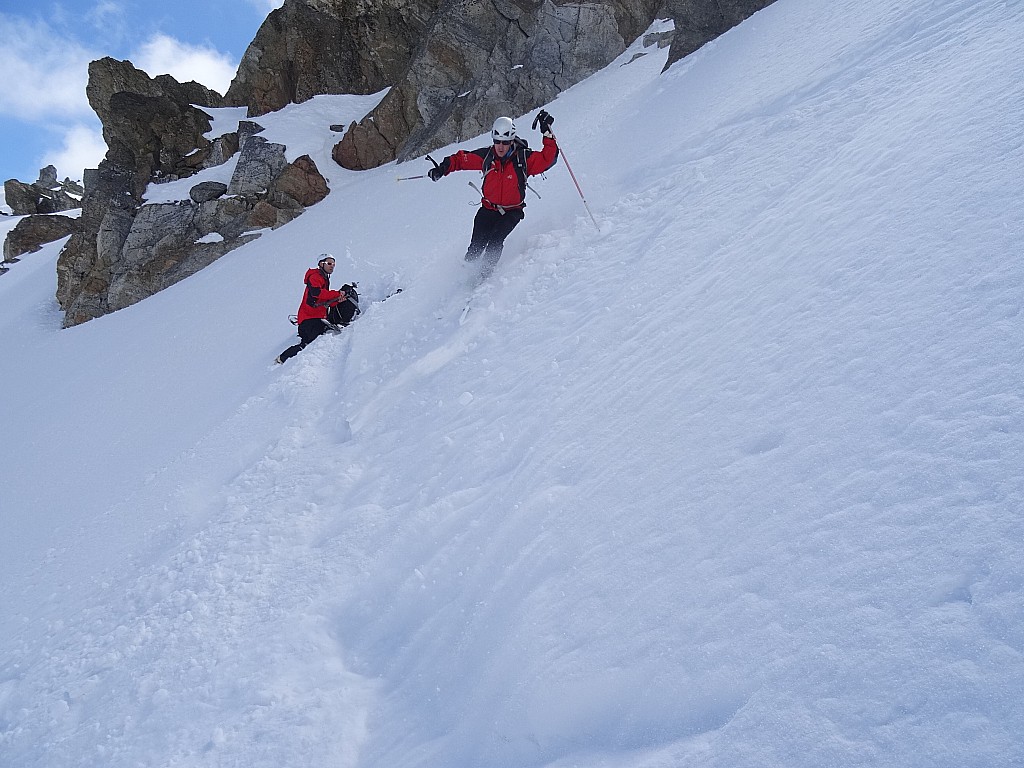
[{"x": 713, "y": 486}]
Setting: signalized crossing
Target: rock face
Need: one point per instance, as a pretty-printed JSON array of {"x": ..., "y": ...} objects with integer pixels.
[
  {"x": 45, "y": 195},
  {"x": 312, "y": 47},
  {"x": 127, "y": 249},
  {"x": 150, "y": 124},
  {"x": 506, "y": 57},
  {"x": 33, "y": 232},
  {"x": 487, "y": 59}
]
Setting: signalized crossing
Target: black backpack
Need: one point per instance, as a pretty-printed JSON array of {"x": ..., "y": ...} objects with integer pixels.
[{"x": 344, "y": 312}]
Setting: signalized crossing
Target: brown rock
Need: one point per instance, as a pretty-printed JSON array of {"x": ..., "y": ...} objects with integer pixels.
[
  {"x": 301, "y": 181},
  {"x": 33, "y": 232}
]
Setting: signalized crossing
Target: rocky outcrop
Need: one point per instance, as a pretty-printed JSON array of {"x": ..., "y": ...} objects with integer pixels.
[
  {"x": 144, "y": 250},
  {"x": 45, "y": 195},
  {"x": 450, "y": 66},
  {"x": 312, "y": 47},
  {"x": 33, "y": 232},
  {"x": 505, "y": 57},
  {"x": 489, "y": 59},
  {"x": 150, "y": 124},
  {"x": 128, "y": 249},
  {"x": 150, "y": 127}
]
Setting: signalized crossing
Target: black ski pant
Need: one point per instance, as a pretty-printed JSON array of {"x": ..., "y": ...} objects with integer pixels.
[
  {"x": 490, "y": 228},
  {"x": 308, "y": 330}
]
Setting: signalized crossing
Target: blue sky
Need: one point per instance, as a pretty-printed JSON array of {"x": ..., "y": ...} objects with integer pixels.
[{"x": 46, "y": 47}]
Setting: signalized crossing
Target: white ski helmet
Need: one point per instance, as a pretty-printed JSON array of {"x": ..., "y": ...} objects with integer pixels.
[
  {"x": 324, "y": 257},
  {"x": 503, "y": 129}
]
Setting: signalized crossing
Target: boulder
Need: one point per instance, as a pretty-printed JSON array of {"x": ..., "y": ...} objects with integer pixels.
[
  {"x": 21, "y": 197},
  {"x": 207, "y": 190},
  {"x": 301, "y": 181}
]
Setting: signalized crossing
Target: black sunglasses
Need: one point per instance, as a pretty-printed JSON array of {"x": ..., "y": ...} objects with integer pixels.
[{"x": 499, "y": 141}]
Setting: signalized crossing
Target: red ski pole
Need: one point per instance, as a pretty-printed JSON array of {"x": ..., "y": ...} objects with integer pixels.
[
  {"x": 569, "y": 168},
  {"x": 544, "y": 120}
]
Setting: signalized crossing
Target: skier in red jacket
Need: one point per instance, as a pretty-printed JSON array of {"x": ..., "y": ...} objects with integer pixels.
[
  {"x": 316, "y": 298},
  {"x": 506, "y": 166}
]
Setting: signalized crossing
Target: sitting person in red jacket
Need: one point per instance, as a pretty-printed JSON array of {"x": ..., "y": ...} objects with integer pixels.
[
  {"x": 316, "y": 299},
  {"x": 506, "y": 166}
]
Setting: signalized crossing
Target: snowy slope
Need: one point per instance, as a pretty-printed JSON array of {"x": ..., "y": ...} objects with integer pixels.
[{"x": 733, "y": 481}]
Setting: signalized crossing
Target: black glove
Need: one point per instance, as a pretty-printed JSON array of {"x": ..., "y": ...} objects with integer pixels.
[
  {"x": 439, "y": 170},
  {"x": 544, "y": 120}
]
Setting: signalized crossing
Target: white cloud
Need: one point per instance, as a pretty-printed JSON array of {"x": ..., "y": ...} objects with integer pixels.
[
  {"x": 83, "y": 148},
  {"x": 109, "y": 17},
  {"x": 163, "y": 54},
  {"x": 44, "y": 74}
]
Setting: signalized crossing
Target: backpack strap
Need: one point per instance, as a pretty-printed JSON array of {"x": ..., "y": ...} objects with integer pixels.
[{"x": 519, "y": 156}]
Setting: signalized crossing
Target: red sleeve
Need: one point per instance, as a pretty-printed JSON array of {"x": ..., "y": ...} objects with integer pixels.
[
  {"x": 465, "y": 161},
  {"x": 318, "y": 290},
  {"x": 538, "y": 162}
]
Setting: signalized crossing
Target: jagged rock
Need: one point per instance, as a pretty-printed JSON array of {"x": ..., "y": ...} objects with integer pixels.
[
  {"x": 83, "y": 271},
  {"x": 228, "y": 217},
  {"x": 246, "y": 130},
  {"x": 222, "y": 149},
  {"x": 301, "y": 181},
  {"x": 161, "y": 249},
  {"x": 207, "y": 190},
  {"x": 47, "y": 177},
  {"x": 264, "y": 215},
  {"x": 485, "y": 60},
  {"x": 33, "y": 232},
  {"x": 150, "y": 127},
  {"x": 149, "y": 124},
  {"x": 315, "y": 47},
  {"x": 21, "y": 197},
  {"x": 140, "y": 250},
  {"x": 659, "y": 39},
  {"x": 259, "y": 163},
  {"x": 45, "y": 195}
]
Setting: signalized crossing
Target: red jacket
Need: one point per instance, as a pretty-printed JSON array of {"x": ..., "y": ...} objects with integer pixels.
[
  {"x": 317, "y": 296},
  {"x": 504, "y": 178}
]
